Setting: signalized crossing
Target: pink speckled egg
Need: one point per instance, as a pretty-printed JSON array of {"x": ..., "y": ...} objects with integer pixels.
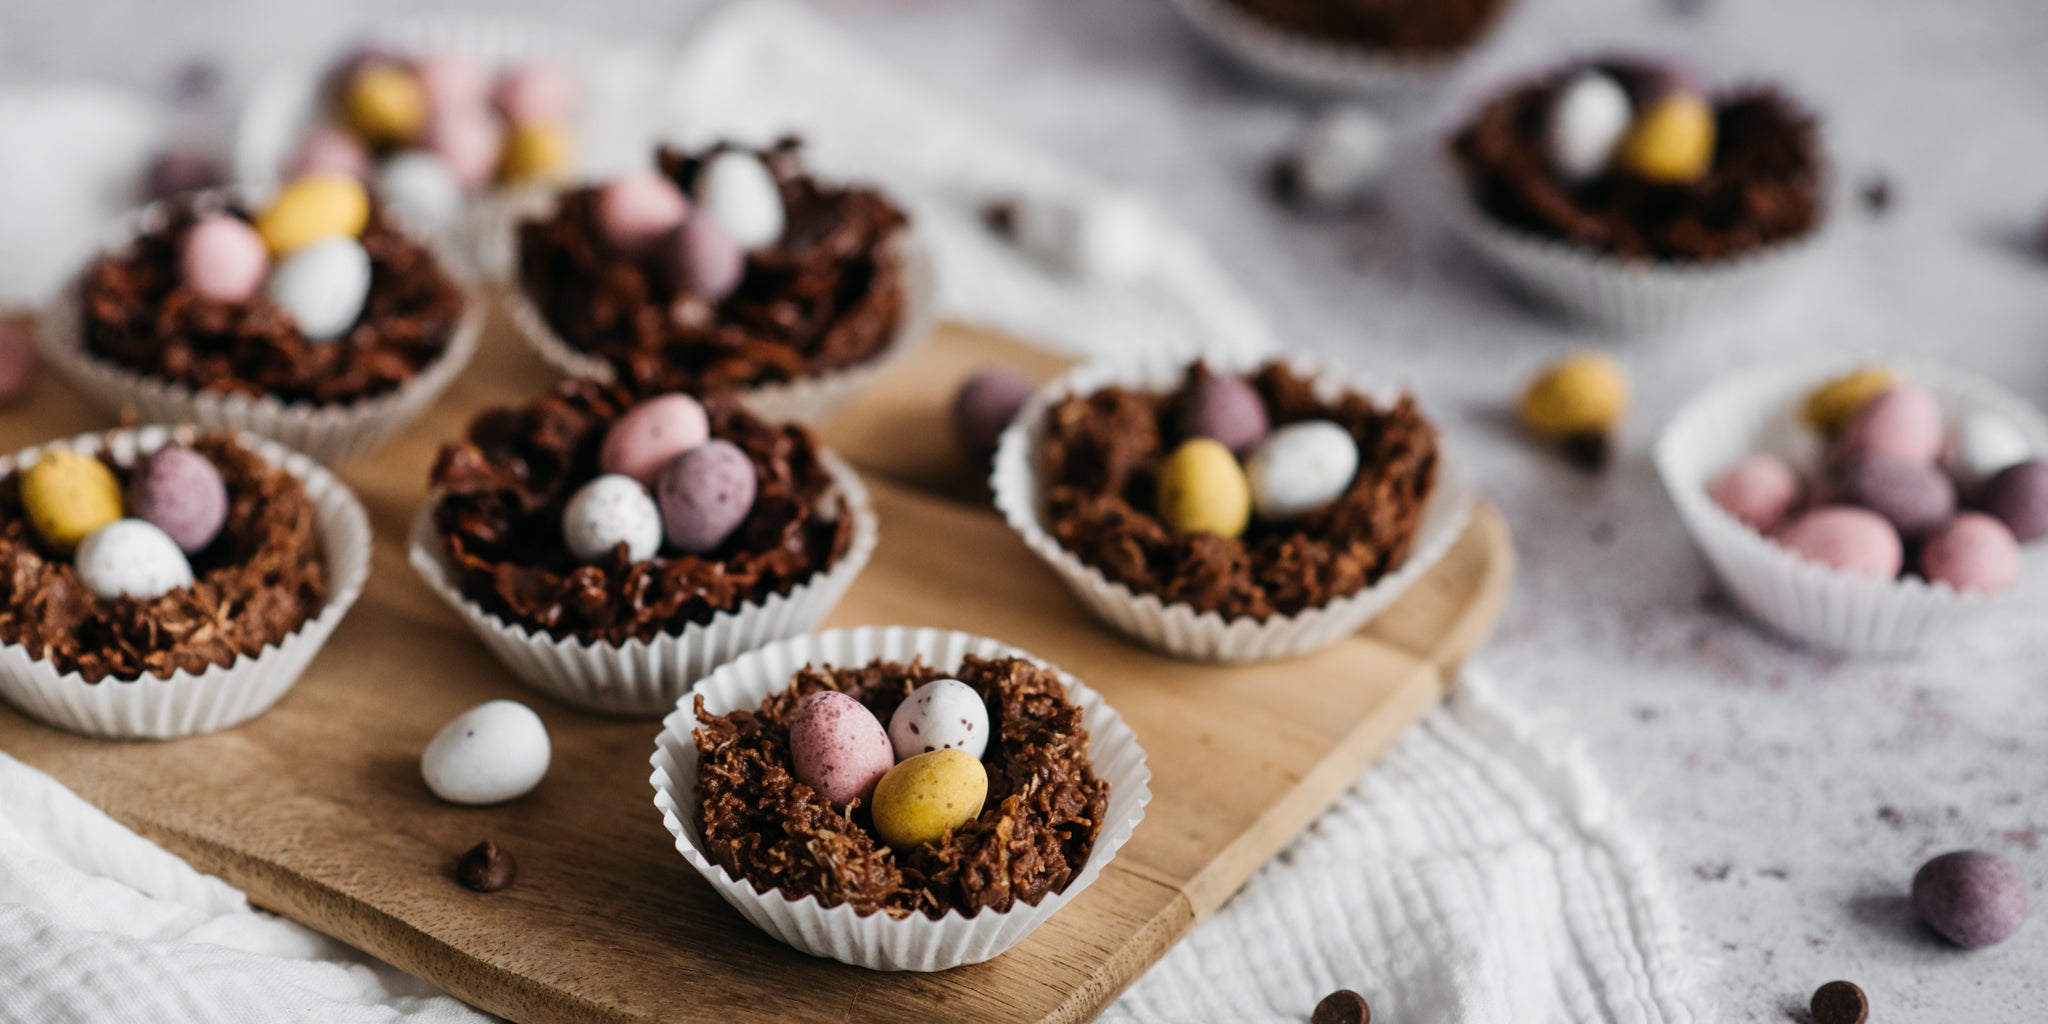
[
  {"x": 470, "y": 141},
  {"x": 638, "y": 208},
  {"x": 1973, "y": 552},
  {"x": 537, "y": 92},
  {"x": 703, "y": 259},
  {"x": 1853, "y": 540},
  {"x": 223, "y": 258},
  {"x": 453, "y": 80},
  {"x": 651, "y": 434},
  {"x": 838, "y": 747},
  {"x": 1760, "y": 491},
  {"x": 1904, "y": 423},
  {"x": 18, "y": 362},
  {"x": 329, "y": 151},
  {"x": 181, "y": 493}
]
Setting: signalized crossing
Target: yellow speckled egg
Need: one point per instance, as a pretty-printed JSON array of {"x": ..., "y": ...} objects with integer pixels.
[
  {"x": 1202, "y": 489},
  {"x": 923, "y": 798},
  {"x": 385, "y": 104},
  {"x": 1583, "y": 394},
  {"x": 535, "y": 152},
  {"x": 1829, "y": 408},
  {"x": 69, "y": 496},
  {"x": 1673, "y": 141},
  {"x": 312, "y": 208}
]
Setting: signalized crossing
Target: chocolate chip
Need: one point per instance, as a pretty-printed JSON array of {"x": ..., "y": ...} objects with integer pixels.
[
  {"x": 1589, "y": 452},
  {"x": 1342, "y": 1007},
  {"x": 486, "y": 868},
  {"x": 1839, "y": 1002}
]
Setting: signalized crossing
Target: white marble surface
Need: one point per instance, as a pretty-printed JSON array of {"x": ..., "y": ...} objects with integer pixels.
[{"x": 1791, "y": 796}]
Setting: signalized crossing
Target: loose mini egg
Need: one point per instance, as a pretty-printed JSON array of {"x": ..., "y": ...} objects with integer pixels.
[
  {"x": 927, "y": 796},
  {"x": 18, "y": 362},
  {"x": 1673, "y": 140},
  {"x": 180, "y": 492},
  {"x": 838, "y": 747},
  {"x": 1981, "y": 445},
  {"x": 1203, "y": 490},
  {"x": 422, "y": 189},
  {"x": 702, "y": 258},
  {"x": 312, "y": 208},
  {"x": 1903, "y": 423},
  {"x": 1301, "y": 468},
  {"x": 738, "y": 191},
  {"x": 68, "y": 496},
  {"x": 2018, "y": 496},
  {"x": 1343, "y": 153},
  {"x": 329, "y": 151},
  {"x": 323, "y": 286},
  {"x": 984, "y": 406},
  {"x": 1760, "y": 491},
  {"x": 705, "y": 494},
  {"x": 607, "y": 512},
  {"x": 637, "y": 209},
  {"x": 651, "y": 434},
  {"x": 537, "y": 92},
  {"x": 1829, "y": 407},
  {"x": 492, "y": 753},
  {"x": 1227, "y": 409},
  {"x": 535, "y": 152},
  {"x": 1588, "y": 120},
  {"x": 944, "y": 714},
  {"x": 131, "y": 558},
  {"x": 384, "y": 103},
  {"x": 1854, "y": 540},
  {"x": 472, "y": 142},
  {"x": 222, "y": 258},
  {"x": 1973, "y": 552},
  {"x": 1974, "y": 898},
  {"x": 1582, "y": 394},
  {"x": 1110, "y": 240}
]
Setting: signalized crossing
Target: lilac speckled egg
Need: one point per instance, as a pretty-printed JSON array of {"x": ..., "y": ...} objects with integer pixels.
[
  {"x": 537, "y": 92},
  {"x": 705, "y": 494},
  {"x": 181, "y": 492},
  {"x": 2018, "y": 495},
  {"x": 1843, "y": 537},
  {"x": 651, "y": 434},
  {"x": 985, "y": 405},
  {"x": 638, "y": 208},
  {"x": 223, "y": 258},
  {"x": 1914, "y": 497},
  {"x": 453, "y": 80},
  {"x": 838, "y": 747},
  {"x": 1973, "y": 897},
  {"x": 18, "y": 362},
  {"x": 1903, "y": 423},
  {"x": 703, "y": 258},
  {"x": 1973, "y": 552},
  {"x": 472, "y": 142},
  {"x": 182, "y": 168},
  {"x": 1760, "y": 491},
  {"x": 1226, "y": 409},
  {"x": 329, "y": 151}
]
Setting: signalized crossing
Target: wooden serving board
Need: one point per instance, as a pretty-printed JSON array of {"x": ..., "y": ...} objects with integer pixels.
[{"x": 318, "y": 811}]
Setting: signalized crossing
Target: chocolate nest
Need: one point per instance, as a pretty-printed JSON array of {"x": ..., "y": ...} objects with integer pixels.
[
  {"x": 828, "y": 295},
  {"x": 499, "y": 515},
  {"x": 1044, "y": 810},
  {"x": 256, "y": 584},
  {"x": 140, "y": 316},
  {"x": 1765, "y": 185},
  {"x": 1408, "y": 26},
  {"x": 1100, "y": 466}
]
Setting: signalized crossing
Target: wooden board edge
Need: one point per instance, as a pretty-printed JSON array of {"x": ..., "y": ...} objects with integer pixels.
[{"x": 1483, "y": 610}]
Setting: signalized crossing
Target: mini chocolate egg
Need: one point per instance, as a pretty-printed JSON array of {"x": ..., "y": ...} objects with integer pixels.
[
  {"x": 453, "y": 80},
  {"x": 67, "y": 496},
  {"x": 1588, "y": 119},
  {"x": 1903, "y": 423},
  {"x": 705, "y": 494},
  {"x": 737, "y": 190},
  {"x": 703, "y": 259},
  {"x": 1111, "y": 240},
  {"x": 18, "y": 362},
  {"x": 2018, "y": 496},
  {"x": 607, "y": 512},
  {"x": 1829, "y": 407},
  {"x": 131, "y": 558},
  {"x": 1844, "y": 537},
  {"x": 638, "y": 208},
  {"x": 1301, "y": 468},
  {"x": 1227, "y": 409},
  {"x": 323, "y": 286},
  {"x": 1914, "y": 497},
  {"x": 838, "y": 747},
  {"x": 922, "y": 799},
  {"x": 494, "y": 752},
  {"x": 651, "y": 434},
  {"x": 222, "y": 258},
  {"x": 944, "y": 714},
  {"x": 1981, "y": 445},
  {"x": 472, "y": 142},
  {"x": 180, "y": 492},
  {"x": 312, "y": 208},
  {"x": 534, "y": 152},
  {"x": 1760, "y": 491},
  {"x": 1973, "y": 552},
  {"x": 1203, "y": 490},
  {"x": 537, "y": 92},
  {"x": 384, "y": 104},
  {"x": 422, "y": 189},
  {"x": 1671, "y": 141},
  {"x": 1578, "y": 395},
  {"x": 1342, "y": 155},
  {"x": 180, "y": 169},
  {"x": 1974, "y": 898},
  {"x": 984, "y": 406},
  {"x": 329, "y": 151}
]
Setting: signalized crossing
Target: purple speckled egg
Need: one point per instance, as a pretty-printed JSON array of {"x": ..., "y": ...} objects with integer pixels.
[
  {"x": 1843, "y": 537},
  {"x": 651, "y": 434},
  {"x": 18, "y": 362},
  {"x": 1972, "y": 897},
  {"x": 703, "y": 258},
  {"x": 985, "y": 405},
  {"x": 637, "y": 209},
  {"x": 537, "y": 92},
  {"x": 1903, "y": 423},
  {"x": 223, "y": 258},
  {"x": 838, "y": 747},
  {"x": 330, "y": 151},
  {"x": 181, "y": 493},
  {"x": 471, "y": 142},
  {"x": 180, "y": 169},
  {"x": 1914, "y": 497},
  {"x": 1760, "y": 491},
  {"x": 705, "y": 494},
  {"x": 1973, "y": 552},
  {"x": 2018, "y": 496},
  {"x": 1227, "y": 410}
]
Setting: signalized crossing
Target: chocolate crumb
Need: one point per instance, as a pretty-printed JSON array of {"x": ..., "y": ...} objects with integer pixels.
[
  {"x": 486, "y": 868},
  {"x": 1342, "y": 1007},
  {"x": 1839, "y": 1002}
]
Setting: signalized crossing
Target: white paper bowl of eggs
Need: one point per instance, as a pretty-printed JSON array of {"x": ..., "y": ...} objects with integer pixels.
[{"x": 1864, "y": 508}]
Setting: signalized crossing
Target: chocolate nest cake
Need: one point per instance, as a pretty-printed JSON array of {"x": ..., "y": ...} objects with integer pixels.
[
  {"x": 828, "y": 295},
  {"x": 139, "y": 315},
  {"x": 1765, "y": 185},
  {"x": 1406, "y": 26},
  {"x": 503, "y": 488},
  {"x": 256, "y": 584},
  {"x": 1042, "y": 816},
  {"x": 1099, "y": 470}
]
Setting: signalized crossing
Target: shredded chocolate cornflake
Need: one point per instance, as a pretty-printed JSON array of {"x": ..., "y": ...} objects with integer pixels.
[
  {"x": 503, "y": 489},
  {"x": 139, "y": 315},
  {"x": 1101, "y": 464},
  {"x": 1764, "y": 187},
  {"x": 1409, "y": 26},
  {"x": 258, "y": 582},
  {"x": 1044, "y": 809},
  {"x": 827, "y": 295}
]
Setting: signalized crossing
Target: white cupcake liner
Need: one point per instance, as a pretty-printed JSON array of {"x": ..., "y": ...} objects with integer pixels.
[
  {"x": 221, "y": 697},
  {"x": 330, "y": 433},
  {"x": 877, "y": 941},
  {"x": 808, "y": 399},
  {"x": 1178, "y": 629},
  {"x": 1813, "y": 604},
  {"x": 644, "y": 678},
  {"x": 1313, "y": 64}
]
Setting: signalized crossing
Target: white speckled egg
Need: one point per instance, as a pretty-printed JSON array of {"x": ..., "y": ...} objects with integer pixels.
[
  {"x": 944, "y": 714},
  {"x": 1979, "y": 446},
  {"x": 422, "y": 188},
  {"x": 489, "y": 754},
  {"x": 1588, "y": 120},
  {"x": 1343, "y": 153},
  {"x": 131, "y": 558},
  {"x": 1111, "y": 240},
  {"x": 323, "y": 286},
  {"x": 1300, "y": 468},
  {"x": 609, "y": 511},
  {"x": 738, "y": 191}
]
